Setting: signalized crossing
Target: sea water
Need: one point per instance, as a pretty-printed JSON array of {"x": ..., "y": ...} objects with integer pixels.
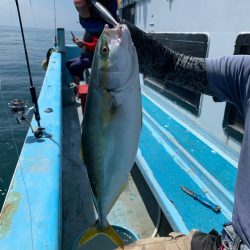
[{"x": 14, "y": 82}]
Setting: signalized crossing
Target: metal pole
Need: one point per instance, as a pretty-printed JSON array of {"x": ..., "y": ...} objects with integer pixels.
[{"x": 32, "y": 88}]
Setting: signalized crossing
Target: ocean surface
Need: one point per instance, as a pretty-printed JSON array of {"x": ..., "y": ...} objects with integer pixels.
[{"x": 14, "y": 83}]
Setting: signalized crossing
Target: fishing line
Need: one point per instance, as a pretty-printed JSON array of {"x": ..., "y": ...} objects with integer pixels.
[
  {"x": 18, "y": 164},
  {"x": 65, "y": 154},
  {"x": 32, "y": 88}
]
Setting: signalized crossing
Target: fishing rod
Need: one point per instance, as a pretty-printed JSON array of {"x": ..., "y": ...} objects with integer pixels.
[{"x": 18, "y": 106}]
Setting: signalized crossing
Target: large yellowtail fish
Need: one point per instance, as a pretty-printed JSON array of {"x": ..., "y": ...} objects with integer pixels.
[{"x": 112, "y": 124}]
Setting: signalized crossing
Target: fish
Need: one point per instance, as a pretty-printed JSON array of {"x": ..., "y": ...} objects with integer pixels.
[{"x": 112, "y": 124}]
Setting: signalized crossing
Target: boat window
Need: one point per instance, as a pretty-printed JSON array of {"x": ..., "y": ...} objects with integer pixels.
[
  {"x": 188, "y": 44},
  {"x": 128, "y": 12},
  {"x": 233, "y": 122}
]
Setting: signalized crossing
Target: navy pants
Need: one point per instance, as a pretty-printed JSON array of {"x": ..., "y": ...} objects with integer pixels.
[{"x": 77, "y": 65}]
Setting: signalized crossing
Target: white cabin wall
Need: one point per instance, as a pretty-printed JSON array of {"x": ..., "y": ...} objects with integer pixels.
[{"x": 222, "y": 20}]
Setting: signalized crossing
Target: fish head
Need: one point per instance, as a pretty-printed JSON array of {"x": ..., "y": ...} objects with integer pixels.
[{"x": 116, "y": 58}]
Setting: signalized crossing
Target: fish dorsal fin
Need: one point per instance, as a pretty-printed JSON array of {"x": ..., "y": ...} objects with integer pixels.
[{"x": 94, "y": 231}]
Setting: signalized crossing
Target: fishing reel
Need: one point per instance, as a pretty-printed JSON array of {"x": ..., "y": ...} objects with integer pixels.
[{"x": 19, "y": 109}]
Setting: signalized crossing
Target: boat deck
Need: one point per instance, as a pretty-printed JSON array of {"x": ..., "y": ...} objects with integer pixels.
[{"x": 172, "y": 155}]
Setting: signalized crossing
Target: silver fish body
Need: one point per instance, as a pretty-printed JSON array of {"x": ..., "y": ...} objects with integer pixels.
[{"x": 112, "y": 120}]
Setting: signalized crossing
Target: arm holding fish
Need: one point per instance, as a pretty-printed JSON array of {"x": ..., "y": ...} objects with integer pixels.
[
  {"x": 169, "y": 66},
  {"x": 174, "y": 68}
]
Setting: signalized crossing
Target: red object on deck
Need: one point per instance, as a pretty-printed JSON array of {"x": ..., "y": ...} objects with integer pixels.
[{"x": 82, "y": 94}]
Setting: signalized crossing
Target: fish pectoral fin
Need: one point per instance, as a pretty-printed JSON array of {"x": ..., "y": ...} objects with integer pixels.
[
  {"x": 94, "y": 231},
  {"x": 111, "y": 109},
  {"x": 115, "y": 103}
]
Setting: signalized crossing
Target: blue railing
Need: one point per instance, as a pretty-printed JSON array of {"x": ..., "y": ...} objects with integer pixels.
[{"x": 31, "y": 215}]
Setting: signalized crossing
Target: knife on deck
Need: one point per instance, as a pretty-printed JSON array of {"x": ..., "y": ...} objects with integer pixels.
[{"x": 202, "y": 199}]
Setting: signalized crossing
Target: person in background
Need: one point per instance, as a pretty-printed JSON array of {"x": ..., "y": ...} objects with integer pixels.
[
  {"x": 226, "y": 79},
  {"x": 77, "y": 65},
  {"x": 93, "y": 26}
]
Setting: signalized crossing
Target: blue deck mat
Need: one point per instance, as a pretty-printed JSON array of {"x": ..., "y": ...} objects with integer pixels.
[
  {"x": 170, "y": 177},
  {"x": 215, "y": 164}
]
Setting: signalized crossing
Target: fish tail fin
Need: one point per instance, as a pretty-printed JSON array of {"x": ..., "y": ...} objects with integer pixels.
[
  {"x": 88, "y": 235},
  {"x": 108, "y": 231},
  {"x": 114, "y": 236}
]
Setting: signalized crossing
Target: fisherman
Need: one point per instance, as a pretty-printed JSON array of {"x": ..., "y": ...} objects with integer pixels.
[
  {"x": 93, "y": 26},
  {"x": 77, "y": 65},
  {"x": 226, "y": 79}
]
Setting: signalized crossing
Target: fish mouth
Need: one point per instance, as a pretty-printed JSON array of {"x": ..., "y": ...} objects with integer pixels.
[
  {"x": 116, "y": 33},
  {"x": 119, "y": 44}
]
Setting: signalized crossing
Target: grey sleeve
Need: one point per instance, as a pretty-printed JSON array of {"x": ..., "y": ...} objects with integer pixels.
[{"x": 229, "y": 78}]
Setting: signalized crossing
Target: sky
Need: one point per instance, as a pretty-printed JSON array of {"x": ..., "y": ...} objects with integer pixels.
[{"x": 40, "y": 14}]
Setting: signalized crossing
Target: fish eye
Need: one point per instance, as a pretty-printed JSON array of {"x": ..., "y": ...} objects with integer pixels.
[{"x": 105, "y": 49}]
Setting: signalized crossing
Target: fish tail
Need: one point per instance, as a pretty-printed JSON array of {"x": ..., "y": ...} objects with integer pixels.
[
  {"x": 113, "y": 235},
  {"x": 108, "y": 231}
]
